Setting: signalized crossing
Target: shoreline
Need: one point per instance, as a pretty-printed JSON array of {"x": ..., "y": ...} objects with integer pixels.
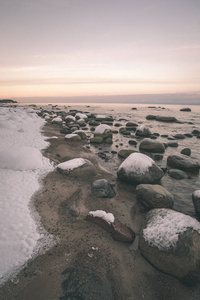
[{"x": 62, "y": 203}]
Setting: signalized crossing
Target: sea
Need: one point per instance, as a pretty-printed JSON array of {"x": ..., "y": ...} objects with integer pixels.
[{"x": 123, "y": 113}]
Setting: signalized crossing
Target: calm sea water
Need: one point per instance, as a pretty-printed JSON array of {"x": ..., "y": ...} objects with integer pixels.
[{"x": 181, "y": 189}]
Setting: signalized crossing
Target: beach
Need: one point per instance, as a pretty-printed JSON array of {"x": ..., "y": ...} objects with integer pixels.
[{"x": 83, "y": 248}]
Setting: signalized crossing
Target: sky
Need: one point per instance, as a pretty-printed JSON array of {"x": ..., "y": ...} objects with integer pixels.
[{"x": 80, "y": 48}]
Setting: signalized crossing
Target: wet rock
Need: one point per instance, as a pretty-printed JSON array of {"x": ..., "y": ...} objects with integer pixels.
[
  {"x": 195, "y": 132},
  {"x": 132, "y": 142},
  {"x": 154, "y": 196},
  {"x": 70, "y": 118},
  {"x": 118, "y": 231},
  {"x": 85, "y": 284},
  {"x": 81, "y": 133},
  {"x": 124, "y": 131},
  {"x": 172, "y": 144},
  {"x": 166, "y": 119},
  {"x": 143, "y": 131},
  {"x": 131, "y": 124},
  {"x": 196, "y": 202},
  {"x": 151, "y": 117},
  {"x": 177, "y": 174},
  {"x": 94, "y": 123},
  {"x": 171, "y": 241},
  {"x": 183, "y": 162},
  {"x": 139, "y": 168},
  {"x": 185, "y": 109},
  {"x": 157, "y": 156},
  {"x": 65, "y": 130},
  {"x": 96, "y": 139},
  {"x": 152, "y": 146},
  {"x": 186, "y": 151},
  {"x": 189, "y": 135},
  {"x": 103, "y": 189},
  {"x": 179, "y": 136},
  {"x": 124, "y": 153}
]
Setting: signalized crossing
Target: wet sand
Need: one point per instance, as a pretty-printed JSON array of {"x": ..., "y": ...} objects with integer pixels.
[{"x": 63, "y": 202}]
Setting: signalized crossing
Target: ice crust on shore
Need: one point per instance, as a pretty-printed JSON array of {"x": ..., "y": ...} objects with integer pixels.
[
  {"x": 165, "y": 225},
  {"x": 108, "y": 217},
  {"x": 19, "y": 233},
  {"x": 72, "y": 164},
  {"x": 137, "y": 162}
]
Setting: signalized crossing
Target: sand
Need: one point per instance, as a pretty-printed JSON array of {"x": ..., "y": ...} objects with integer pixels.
[{"x": 63, "y": 203}]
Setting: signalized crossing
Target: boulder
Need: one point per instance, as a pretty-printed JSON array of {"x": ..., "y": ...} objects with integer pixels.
[
  {"x": 170, "y": 241},
  {"x": 152, "y": 146},
  {"x": 104, "y": 131},
  {"x": 57, "y": 120},
  {"x": 185, "y": 109},
  {"x": 172, "y": 144},
  {"x": 183, "y": 162},
  {"x": 177, "y": 174},
  {"x": 73, "y": 137},
  {"x": 166, "y": 119},
  {"x": 85, "y": 284},
  {"x": 124, "y": 153},
  {"x": 132, "y": 142},
  {"x": 143, "y": 131},
  {"x": 70, "y": 118},
  {"x": 96, "y": 139},
  {"x": 179, "y": 136},
  {"x": 103, "y": 189},
  {"x": 107, "y": 221},
  {"x": 81, "y": 133},
  {"x": 196, "y": 202},
  {"x": 139, "y": 168},
  {"x": 76, "y": 167},
  {"x": 154, "y": 196},
  {"x": 151, "y": 117}
]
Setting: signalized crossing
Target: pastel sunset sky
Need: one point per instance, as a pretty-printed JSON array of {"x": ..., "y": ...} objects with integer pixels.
[{"x": 65, "y": 48}]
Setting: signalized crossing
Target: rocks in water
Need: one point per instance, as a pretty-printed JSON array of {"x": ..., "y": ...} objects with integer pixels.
[
  {"x": 73, "y": 137},
  {"x": 103, "y": 189},
  {"x": 171, "y": 241},
  {"x": 157, "y": 156},
  {"x": 186, "y": 151},
  {"x": 123, "y": 130},
  {"x": 76, "y": 167},
  {"x": 183, "y": 162},
  {"x": 124, "y": 153},
  {"x": 152, "y": 146},
  {"x": 166, "y": 119},
  {"x": 196, "y": 202},
  {"x": 154, "y": 196},
  {"x": 132, "y": 142},
  {"x": 177, "y": 174},
  {"x": 96, "y": 139},
  {"x": 143, "y": 131},
  {"x": 139, "y": 168},
  {"x": 107, "y": 221},
  {"x": 151, "y": 117},
  {"x": 185, "y": 109},
  {"x": 85, "y": 284},
  {"x": 57, "y": 120},
  {"x": 70, "y": 118},
  {"x": 196, "y": 132}
]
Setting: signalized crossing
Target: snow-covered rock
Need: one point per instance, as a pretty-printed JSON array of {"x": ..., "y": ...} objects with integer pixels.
[
  {"x": 81, "y": 116},
  {"x": 171, "y": 241},
  {"x": 81, "y": 133},
  {"x": 21, "y": 158},
  {"x": 57, "y": 120},
  {"x": 104, "y": 131},
  {"x": 139, "y": 168},
  {"x": 73, "y": 137},
  {"x": 154, "y": 196},
  {"x": 70, "y": 118},
  {"x": 76, "y": 167},
  {"x": 143, "y": 130}
]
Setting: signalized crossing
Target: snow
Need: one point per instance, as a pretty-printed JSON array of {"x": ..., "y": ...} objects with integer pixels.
[
  {"x": 142, "y": 127},
  {"x": 22, "y": 158},
  {"x": 70, "y": 135},
  {"x": 71, "y": 118},
  {"x": 21, "y": 142},
  {"x": 81, "y": 116},
  {"x": 137, "y": 162},
  {"x": 101, "y": 117},
  {"x": 196, "y": 194},
  {"x": 102, "y": 128},
  {"x": 72, "y": 164},
  {"x": 56, "y": 120},
  {"x": 108, "y": 217},
  {"x": 165, "y": 225}
]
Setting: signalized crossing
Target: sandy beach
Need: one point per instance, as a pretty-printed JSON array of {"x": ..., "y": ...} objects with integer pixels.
[{"x": 63, "y": 203}]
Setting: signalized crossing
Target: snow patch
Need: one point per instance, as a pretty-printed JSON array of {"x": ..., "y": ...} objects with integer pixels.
[
  {"x": 164, "y": 227},
  {"x": 137, "y": 162},
  {"x": 72, "y": 164},
  {"x": 102, "y": 128},
  {"x": 108, "y": 217}
]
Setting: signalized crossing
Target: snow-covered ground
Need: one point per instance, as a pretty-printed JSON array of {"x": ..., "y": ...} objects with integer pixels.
[{"x": 21, "y": 168}]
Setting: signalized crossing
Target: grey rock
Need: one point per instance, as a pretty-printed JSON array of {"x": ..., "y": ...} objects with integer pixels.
[
  {"x": 124, "y": 153},
  {"x": 186, "y": 151},
  {"x": 177, "y": 174},
  {"x": 103, "y": 189},
  {"x": 183, "y": 162},
  {"x": 166, "y": 119},
  {"x": 152, "y": 146},
  {"x": 143, "y": 131},
  {"x": 154, "y": 196},
  {"x": 196, "y": 201}
]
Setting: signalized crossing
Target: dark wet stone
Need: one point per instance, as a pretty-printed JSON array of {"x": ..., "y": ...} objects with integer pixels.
[
  {"x": 189, "y": 135},
  {"x": 186, "y": 151},
  {"x": 177, "y": 174},
  {"x": 132, "y": 142},
  {"x": 84, "y": 284},
  {"x": 151, "y": 117},
  {"x": 166, "y": 119},
  {"x": 103, "y": 189},
  {"x": 185, "y": 109},
  {"x": 195, "y": 132},
  {"x": 173, "y": 144},
  {"x": 179, "y": 136}
]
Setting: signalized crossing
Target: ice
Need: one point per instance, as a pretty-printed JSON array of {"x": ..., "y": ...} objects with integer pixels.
[
  {"x": 137, "y": 162},
  {"x": 165, "y": 225},
  {"x": 21, "y": 167},
  {"x": 103, "y": 128},
  {"x": 108, "y": 217},
  {"x": 72, "y": 164}
]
